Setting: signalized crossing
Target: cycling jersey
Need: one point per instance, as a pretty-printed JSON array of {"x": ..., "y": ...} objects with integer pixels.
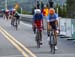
[
  {"x": 7, "y": 13},
  {"x": 38, "y": 20},
  {"x": 16, "y": 15},
  {"x": 52, "y": 18},
  {"x": 45, "y": 12},
  {"x": 37, "y": 17}
]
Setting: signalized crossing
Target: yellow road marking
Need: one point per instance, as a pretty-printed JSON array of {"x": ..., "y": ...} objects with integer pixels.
[
  {"x": 26, "y": 49},
  {"x": 24, "y": 54}
]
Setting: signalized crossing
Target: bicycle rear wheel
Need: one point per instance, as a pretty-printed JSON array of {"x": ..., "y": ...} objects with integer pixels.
[
  {"x": 38, "y": 44},
  {"x": 38, "y": 39},
  {"x": 52, "y": 49}
]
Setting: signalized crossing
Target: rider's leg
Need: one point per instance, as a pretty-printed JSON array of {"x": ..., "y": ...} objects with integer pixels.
[
  {"x": 48, "y": 30},
  {"x": 55, "y": 31},
  {"x": 55, "y": 34},
  {"x": 40, "y": 32},
  {"x": 34, "y": 29}
]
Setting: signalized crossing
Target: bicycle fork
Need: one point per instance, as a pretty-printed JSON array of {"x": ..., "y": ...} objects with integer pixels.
[{"x": 52, "y": 42}]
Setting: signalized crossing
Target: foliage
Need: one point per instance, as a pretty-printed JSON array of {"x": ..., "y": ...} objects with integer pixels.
[
  {"x": 61, "y": 10},
  {"x": 70, "y": 8},
  {"x": 23, "y": 11}
]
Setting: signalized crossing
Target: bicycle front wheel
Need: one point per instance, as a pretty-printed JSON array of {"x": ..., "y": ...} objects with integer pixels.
[{"x": 52, "y": 49}]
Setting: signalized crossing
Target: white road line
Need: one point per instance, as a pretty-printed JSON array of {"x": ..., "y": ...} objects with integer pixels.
[
  {"x": 17, "y": 46},
  {"x": 11, "y": 37}
]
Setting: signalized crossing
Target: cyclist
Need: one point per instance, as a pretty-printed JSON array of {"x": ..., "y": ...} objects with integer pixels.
[
  {"x": 7, "y": 14},
  {"x": 37, "y": 21},
  {"x": 17, "y": 16},
  {"x": 52, "y": 22}
]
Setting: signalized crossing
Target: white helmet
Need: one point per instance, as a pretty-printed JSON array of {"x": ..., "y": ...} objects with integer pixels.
[
  {"x": 7, "y": 10},
  {"x": 14, "y": 9},
  {"x": 37, "y": 11}
]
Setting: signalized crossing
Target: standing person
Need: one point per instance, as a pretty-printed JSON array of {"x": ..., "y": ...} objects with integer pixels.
[
  {"x": 52, "y": 23},
  {"x": 37, "y": 22},
  {"x": 45, "y": 12}
]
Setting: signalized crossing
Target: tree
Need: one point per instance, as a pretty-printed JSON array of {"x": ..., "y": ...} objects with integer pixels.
[
  {"x": 19, "y": 10},
  {"x": 70, "y": 8},
  {"x": 59, "y": 9},
  {"x": 64, "y": 12},
  {"x": 33, "y": 9},
  {"x": 42, "y": 5}
]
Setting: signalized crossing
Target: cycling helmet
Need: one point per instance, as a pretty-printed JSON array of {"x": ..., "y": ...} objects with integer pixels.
[
  {"x": 14, "y": 9},
  {"x": 36, "y": 11},
  {"x": 51, "y": 11},
  {"x": 7, "y": 10}
]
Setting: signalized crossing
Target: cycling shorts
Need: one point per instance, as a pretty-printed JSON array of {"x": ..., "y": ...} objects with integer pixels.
[
  {"x": 53, "y": 25},
  {"x": 39, "y": 24}
]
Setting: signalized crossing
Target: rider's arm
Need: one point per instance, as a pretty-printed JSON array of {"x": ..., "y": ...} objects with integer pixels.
[
  {"x": 42, "y": 21},
  {"x": 56, "y": 16}
]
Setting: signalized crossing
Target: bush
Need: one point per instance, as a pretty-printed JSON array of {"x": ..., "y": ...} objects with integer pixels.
[
  {"x": 62, "y": 11},
  {"x": 23, "y": 11}
]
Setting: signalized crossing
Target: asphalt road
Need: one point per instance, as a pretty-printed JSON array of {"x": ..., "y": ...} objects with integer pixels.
[{"x": 25, "y": 35}]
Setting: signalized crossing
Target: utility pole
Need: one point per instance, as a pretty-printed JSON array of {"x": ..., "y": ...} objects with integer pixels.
[
  {"x": 40, "y": 3},
  {"x": 5, "y": 4},
  {"x": 57, "y": 8},
  {"x": 21, "y": 10}
]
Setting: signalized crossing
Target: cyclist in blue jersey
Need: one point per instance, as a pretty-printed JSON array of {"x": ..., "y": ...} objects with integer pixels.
[
  {"x": 52, "y": 22},
  {"x": 37, "y": 21}
]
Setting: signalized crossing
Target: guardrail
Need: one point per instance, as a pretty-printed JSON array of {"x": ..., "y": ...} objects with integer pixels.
[
  {"x": 66, "y": 26},
  {"x": 27, "y": 18}
]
